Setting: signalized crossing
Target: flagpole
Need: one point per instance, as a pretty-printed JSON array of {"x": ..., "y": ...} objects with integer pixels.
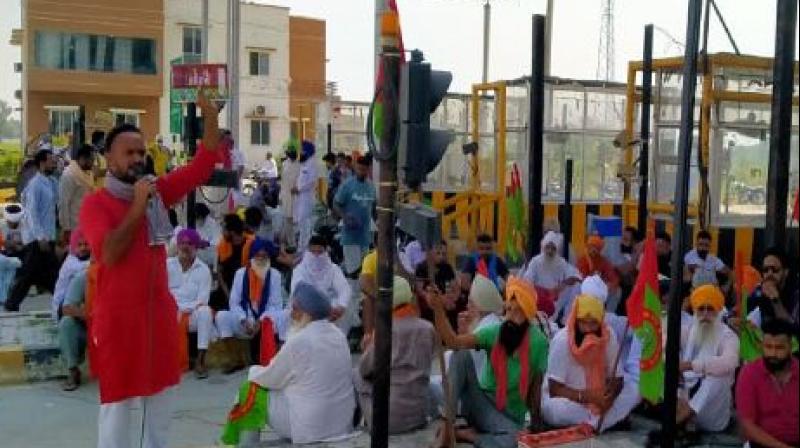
[{"x": 680, "y": 239}]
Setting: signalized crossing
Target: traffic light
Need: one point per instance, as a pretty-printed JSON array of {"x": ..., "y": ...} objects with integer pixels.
[{"x": 420, "y": 147}]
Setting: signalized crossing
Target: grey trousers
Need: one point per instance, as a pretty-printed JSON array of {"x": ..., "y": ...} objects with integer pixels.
[
  {"x": 497, "y": 429},
  {"x": 72, "y": 341}
]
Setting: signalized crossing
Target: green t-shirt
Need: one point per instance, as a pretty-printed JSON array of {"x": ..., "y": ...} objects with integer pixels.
[
  {"x": 76, "y": 291},
  {"x": 537, "y": 362}
]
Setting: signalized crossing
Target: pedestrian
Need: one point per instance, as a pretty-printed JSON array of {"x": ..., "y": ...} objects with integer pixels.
[
  {"x": 76, "y": 182},
  {"x": 290, "y": 171},
  {"x": 134, "y": 332},
  {"x": 355, "y": 203},
  {"x": 303, "y": 195},
  {"x": 40, "y": 264}
]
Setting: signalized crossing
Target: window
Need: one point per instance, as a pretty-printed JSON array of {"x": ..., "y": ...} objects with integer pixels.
[
  {"x": 89, "y": 52},
  {"x": 192, "y": 44},
  {"x": 126, "y": 117},
  {"x": 259, "y": 63},
  {"x": 259, "y": 132},
  {"x": 61, "y": 119}
]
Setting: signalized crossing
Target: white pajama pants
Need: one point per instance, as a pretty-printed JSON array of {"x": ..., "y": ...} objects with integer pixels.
[
  {"x": 229, "y": 324},
  {"x": 561, "y": 412},
  {"x": 711, "y": 403},
  {"x": 114, "y": 421},
  {"x": 303, "y": 228},
  {"x": 202, "y": 322}
]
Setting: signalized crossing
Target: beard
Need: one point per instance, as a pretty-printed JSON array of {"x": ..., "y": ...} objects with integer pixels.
[
  {"x": 775, "y": 365},
  {"x": 511, "y": 334},
  {"x": 297, "y": 326},
  {"x": 703, "y": 334},
  {"x": 132, "y": 173},
  {"x": 625, "y": 249}
]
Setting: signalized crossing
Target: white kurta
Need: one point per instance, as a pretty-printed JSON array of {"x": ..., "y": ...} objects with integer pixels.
[
  {"x": 289, "y": 173},
  {"x": 303, "y": 203},
  {"x": 229, "y": 322},
  {"x": 550, "y": 274},
  {"x": 715, "y": 365},
  {"x": 311, "y": 395},
  {"x": 563, "y": 368},
  {"x": 331, "y": 282},
  {"x": 71, "y": 266}
]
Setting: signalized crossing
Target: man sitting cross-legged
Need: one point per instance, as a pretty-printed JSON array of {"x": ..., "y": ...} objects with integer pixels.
[
  {"x": 510, "y": 386},
  {"x": 255, "y": 295},
  {"x": 582, "y": 384},
  {"x": 190, "y": 284},
  {"x": 305, "y": 394}
]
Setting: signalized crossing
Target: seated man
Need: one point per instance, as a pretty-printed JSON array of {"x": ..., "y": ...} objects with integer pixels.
[
  {"x": 233, "y": 253},
  {"x": 413, "y": 343},
  {"x": 583, "y": 384},
  {"x": 72, "y": 329},
  {"x": 768, "y": 392},
  {"x": 256, "y": 295},
  {"x": 551, "y": 272},
  {"x": 595, "y": 263},
  {"x": 190, "y": 284},
  {"x": 778, "y": 295},
  {"x": 309, "y": 388},
  {"x": 317, "y": 269},
  {"x": 510, "y": 386},
  {"x": 77, "y": 260},
  {"x": 443, "y": 276},
  {"x": 698, "y": 262},
  {"x": 709, "y": 358},
  {"x": 486, "y": 262}
]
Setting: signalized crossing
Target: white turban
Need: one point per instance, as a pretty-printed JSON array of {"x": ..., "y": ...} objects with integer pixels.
[
  {"x": 484, "y": 294},
  {"x": 552, "y": 238},
  {"x": 595, "y": 286}
]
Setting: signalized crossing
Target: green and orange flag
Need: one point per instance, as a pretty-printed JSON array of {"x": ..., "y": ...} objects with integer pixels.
[
  {"x": 749, "y": 335},
  {"x": 644, "y": 316},
  {"x": 515, "y": 242},
  {"x": 377, "y": 114}
]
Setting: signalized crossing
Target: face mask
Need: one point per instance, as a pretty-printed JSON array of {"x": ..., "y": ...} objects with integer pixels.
[{"x": 702, "y": 254}]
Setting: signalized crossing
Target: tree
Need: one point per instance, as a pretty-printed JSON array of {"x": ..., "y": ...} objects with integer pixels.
[{"x": 9, "y": 127}]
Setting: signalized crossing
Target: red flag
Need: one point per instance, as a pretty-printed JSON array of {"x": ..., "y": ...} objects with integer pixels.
[
  {"x": 268, "y": 347},
  {"x": 648, "y": 276},
  {"x": 796, "y": 212}
]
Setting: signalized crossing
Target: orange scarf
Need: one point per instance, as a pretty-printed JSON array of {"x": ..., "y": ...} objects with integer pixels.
[
  {"x": 256, "y": 285},
  {"x": 225, "y": 250},
  {"x": 404, "y": 310},
  {"x": 499, "y": 360},
  {"x": 591, "y": 355}
]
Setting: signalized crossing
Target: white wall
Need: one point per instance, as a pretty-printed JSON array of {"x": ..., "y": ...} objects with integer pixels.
[{"x": 262, "y": 27}]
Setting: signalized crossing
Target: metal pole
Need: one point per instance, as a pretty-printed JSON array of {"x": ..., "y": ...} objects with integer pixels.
[
  {"x": 567, "y": 218},
  {"x": 680, "y": 239},
  {"x": 725, "y": 27},
  {"x": 548, "y": 37},
  {"x": 780, "y": 130},
  {"x": 644, "y": 133},
  {"x": 380, "y": 8},
  {"x": 234, "y": 69},
  {"x": 205, "y": 31},
  {"x": 387, "y": 188},
  {"x": 535, "y": 135},
  {"x": 229, "y": 59},
  {"x": 330, "y": 138},
  {"x": 190, "y": 143},
  {"x": 487, "y": 19}
]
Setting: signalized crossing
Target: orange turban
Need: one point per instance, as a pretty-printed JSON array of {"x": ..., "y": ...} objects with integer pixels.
[
  {"x": 525, "y": 295},
  {"x": 707, "y": 295},
  {"x": 596, "y": 241}
]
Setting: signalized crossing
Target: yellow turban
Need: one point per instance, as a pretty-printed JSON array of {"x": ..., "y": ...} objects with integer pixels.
[
  {"x": 707, "y": 295},
  {"x": 525, "y": 295},
  {"x": 587, "y": 306}
]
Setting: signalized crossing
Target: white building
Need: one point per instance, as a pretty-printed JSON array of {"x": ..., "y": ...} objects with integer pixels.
[{"x": 264, "y": 123}]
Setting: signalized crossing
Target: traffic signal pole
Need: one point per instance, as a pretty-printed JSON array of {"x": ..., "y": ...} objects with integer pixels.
[
  {"x": 387, "y": 189},
  {"x": 536, "y": 135}
]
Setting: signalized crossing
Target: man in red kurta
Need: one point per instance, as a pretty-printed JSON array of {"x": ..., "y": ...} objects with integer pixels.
[{"x": 133, "y": 333}]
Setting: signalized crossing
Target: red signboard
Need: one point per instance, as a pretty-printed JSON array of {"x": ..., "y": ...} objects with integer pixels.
[{"x": 214, "y": 76}]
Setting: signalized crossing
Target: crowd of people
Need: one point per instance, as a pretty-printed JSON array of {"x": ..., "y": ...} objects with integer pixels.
[{"x": 539, "y": 346}]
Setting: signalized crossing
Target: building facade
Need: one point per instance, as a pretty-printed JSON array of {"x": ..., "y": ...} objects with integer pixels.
[
  {"x": 307, "y": 72},
  {"x": 104, "y": 55},
  {"x": 263, "y": 73}
]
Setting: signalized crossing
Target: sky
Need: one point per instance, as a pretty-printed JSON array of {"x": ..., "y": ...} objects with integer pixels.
[{"x": 449, "y": 32}]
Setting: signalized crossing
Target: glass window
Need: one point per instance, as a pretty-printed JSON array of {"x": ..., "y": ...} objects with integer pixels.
[
  {"x": 259, "y": 132},
  {"x": 259, "y": 63},
  {"x": 76, "y": 51},
  {"x": 192, "y": 44},
  {"x": 126, "y": 118},
  {"x": 61, "y": 120}
]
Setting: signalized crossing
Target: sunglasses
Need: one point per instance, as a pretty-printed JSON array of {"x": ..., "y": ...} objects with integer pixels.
[{"x": 771, "y": 269}]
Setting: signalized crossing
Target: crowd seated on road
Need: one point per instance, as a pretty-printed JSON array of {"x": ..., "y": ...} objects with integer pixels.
[{"x": 285, "y": 283}]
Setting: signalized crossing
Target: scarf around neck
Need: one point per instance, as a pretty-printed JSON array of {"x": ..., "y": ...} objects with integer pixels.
[
  {"x": 499, "y": 361},
  {"x": 591, "y": 355},
  {"x": 159, "y": 229}
]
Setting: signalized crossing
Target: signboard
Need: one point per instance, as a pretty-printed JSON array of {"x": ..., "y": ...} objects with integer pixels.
[{"x": 186, "y": 79}]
